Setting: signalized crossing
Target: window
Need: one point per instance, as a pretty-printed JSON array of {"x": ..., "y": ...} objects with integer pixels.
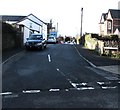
[{"x": 109, "y": 25}]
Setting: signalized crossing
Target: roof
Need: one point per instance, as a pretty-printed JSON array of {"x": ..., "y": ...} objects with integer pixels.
[
  {"x": 103, "y": 17},
  {"x": 37, "y": 18},
  {"x": 12, "y": 18},
  {"x": 27, "y": 17},
  {"x": 116, "y": 27},
  {"x": 115, "y": 13},
  {"x": 18, "y": 19}
]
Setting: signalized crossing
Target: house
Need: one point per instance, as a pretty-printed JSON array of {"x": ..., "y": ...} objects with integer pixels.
[
  {"x": 11, "y": 19},
  {"x": 110, "y": 22},
  {"x": 103, "y": 24},
  {"x": 27, "y": 24}
]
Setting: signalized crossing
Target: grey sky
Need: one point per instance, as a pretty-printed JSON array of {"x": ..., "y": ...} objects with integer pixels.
[{"x": 66, "y": 12}]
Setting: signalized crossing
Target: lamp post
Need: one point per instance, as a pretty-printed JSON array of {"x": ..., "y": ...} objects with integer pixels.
[
  {"x": 57, "y": 29},
  {"x": 81, "y": 22}
]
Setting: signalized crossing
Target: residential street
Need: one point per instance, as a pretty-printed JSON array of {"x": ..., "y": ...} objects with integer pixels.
[{"x": 61, "y": 76}]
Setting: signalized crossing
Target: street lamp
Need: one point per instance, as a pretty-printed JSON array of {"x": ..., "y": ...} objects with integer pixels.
[{"x": 81, "y": 22}]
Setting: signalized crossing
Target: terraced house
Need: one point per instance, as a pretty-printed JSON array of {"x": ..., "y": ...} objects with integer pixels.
[{"x": 110, "y": 22}]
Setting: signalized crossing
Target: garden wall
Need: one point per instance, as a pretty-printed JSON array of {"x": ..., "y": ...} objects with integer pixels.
[{"x": 11, "y": 38}]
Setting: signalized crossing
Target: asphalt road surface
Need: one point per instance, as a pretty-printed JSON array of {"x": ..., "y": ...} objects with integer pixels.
[{"x": 61, "y": 76}]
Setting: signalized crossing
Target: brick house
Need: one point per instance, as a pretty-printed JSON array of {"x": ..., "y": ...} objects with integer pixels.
[{"x": 110, "y": 22}]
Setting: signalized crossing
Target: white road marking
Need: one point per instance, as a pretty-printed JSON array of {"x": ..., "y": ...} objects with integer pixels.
[
  {"x": 66, "y": 78},
  {"x": 101, "y": 83},
  {"x": 85, "y": 88},
  {"x": 31, "y": 91},
  {"x": 54, "y": 90},
  {"x": 85, "y": 58},
  {"x": 67, "y": 90},
  {"x": 73, "y": 84},
  {"x": 11, "y": 95},
  {"x": 58, "y": 69},
  {"x": 6, "y": 93},
  {"x": 105, "y": 87},
  {"x": 60, "y": 72},
  {"x": 49, "y": 58},
  {"x": 84, "y": 84},
  {"x": 11, "y": 57}
]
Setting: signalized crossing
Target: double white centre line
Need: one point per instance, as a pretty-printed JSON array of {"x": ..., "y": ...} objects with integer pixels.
[{"x": 49, "y": 58}]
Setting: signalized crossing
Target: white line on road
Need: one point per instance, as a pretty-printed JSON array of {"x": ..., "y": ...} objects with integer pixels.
[
  {"x": 12, "y": 57},
  {"x": 31, "y": 91},
  {"x": 73, "y": 84},
  {"x": 85, "y": 58},
  {"x": 54, "y": 90},
  {"x": 60, "y": 72},
  {"x": 86, "y": 88},
  {"x": 49, "y": 58},
  {"x": 6, "y": 93},
  {"x": 69, "y": 80},
  {"x": 112, "y": 87}
]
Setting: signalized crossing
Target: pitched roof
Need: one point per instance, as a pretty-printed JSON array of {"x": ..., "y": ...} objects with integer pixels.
[
  {"x": 27, "y": 17},
  {"x": 116, "y": 27},
  {"x": 104, "y": 15},
  {"x": 37, "y": 18},
  {"x": 18, "y": 19},
  {"x": 12, "y": 18},
  {"x": 115, "y": 13}
]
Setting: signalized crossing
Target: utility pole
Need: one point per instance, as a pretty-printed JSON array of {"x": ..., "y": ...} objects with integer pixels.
[
  {"x": 57, "y": 29},
  {"x": 119, "y": 5},
  {"x": 81, "y": 22}
]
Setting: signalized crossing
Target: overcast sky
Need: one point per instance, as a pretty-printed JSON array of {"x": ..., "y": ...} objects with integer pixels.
[{"x": 67, "y": 13}]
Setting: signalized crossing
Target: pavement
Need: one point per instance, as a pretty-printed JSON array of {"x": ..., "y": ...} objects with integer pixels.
[
  {"x": 101, "y": 62},
  {"x": 113, "y": 68}
]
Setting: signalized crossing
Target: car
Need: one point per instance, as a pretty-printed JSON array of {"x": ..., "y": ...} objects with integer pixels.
[
  {"x": 35, "y": 41},
  {"x": 52, "y": 39}
]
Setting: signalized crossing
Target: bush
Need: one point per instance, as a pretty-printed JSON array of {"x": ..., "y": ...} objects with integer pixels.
[{"x": 67, "y": 39}]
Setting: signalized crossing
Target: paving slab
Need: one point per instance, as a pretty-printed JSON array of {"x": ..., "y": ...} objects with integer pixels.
[{"x": 113, "y": 69}]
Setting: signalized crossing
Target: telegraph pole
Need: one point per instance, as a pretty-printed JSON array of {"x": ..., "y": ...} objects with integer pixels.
[
  {"x": 81, "y": 22},
  {"x": 57, "y": 29}
]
